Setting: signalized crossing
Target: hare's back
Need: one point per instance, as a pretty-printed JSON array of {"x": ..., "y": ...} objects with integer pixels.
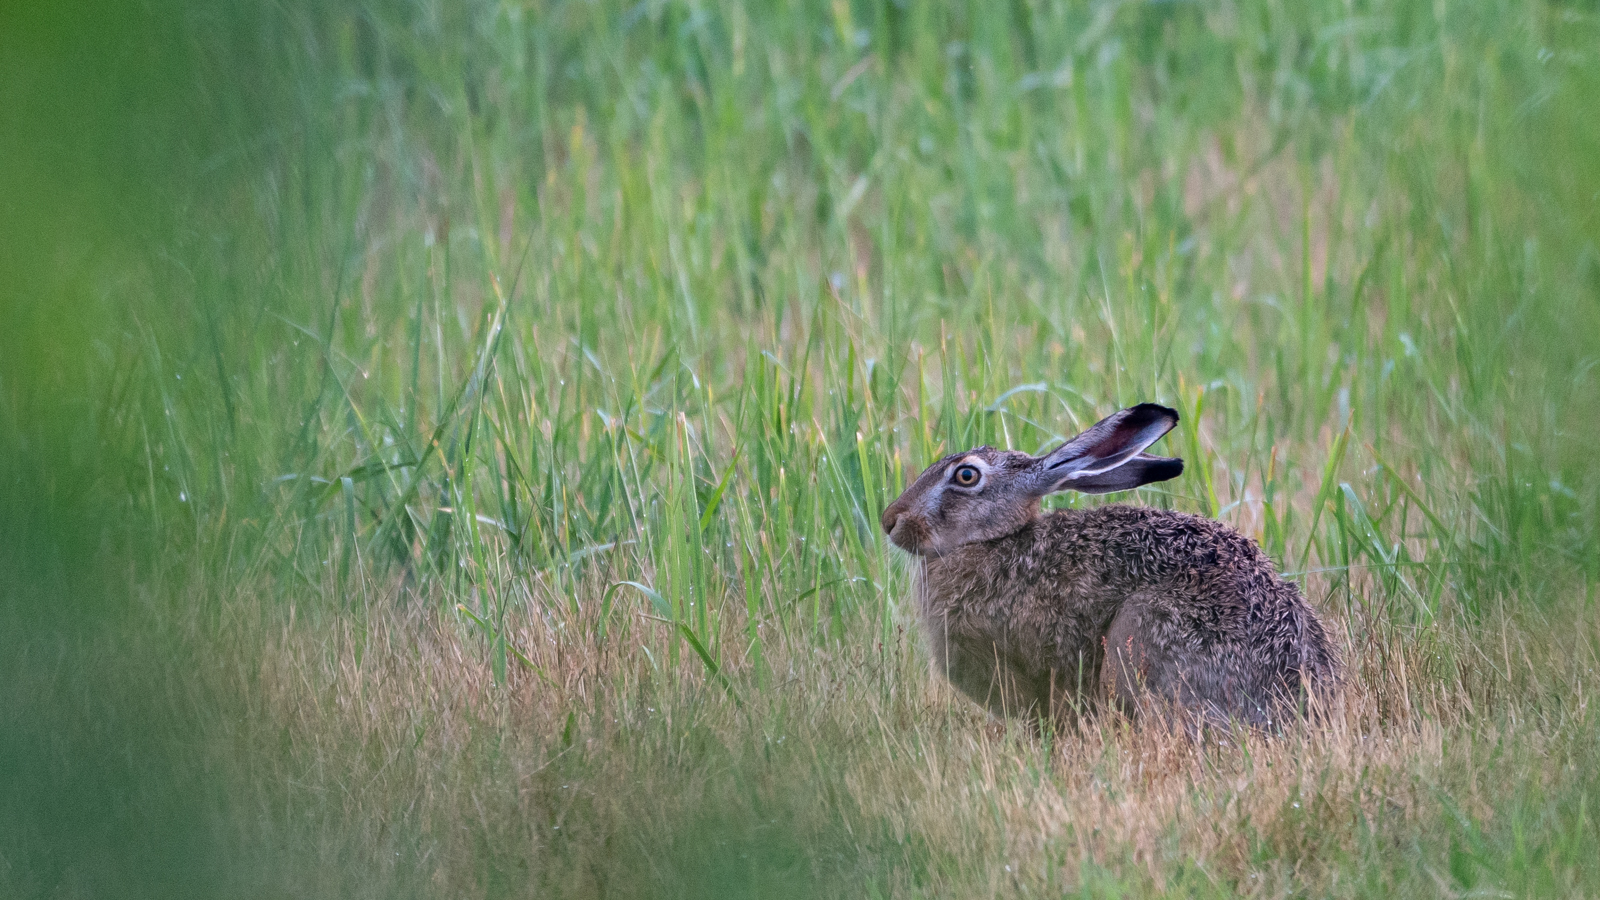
[
  {"x": 1206, "y": 574},
  {"x": 1211, "y": 597},
  {"x": 1209, "y": 581},
  {"x": 1157, "y": 545}
]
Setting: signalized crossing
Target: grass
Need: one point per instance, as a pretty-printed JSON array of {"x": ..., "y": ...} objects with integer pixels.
[{"x": 458, "y": 473}]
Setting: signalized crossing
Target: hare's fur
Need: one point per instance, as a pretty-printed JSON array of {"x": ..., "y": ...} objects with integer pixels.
[
  {"x": 1123, "y": 604},
  {"x": 1127, "y": 606}
]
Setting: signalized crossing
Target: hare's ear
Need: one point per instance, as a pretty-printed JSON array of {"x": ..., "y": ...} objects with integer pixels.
[
  {"x": 1142, "y": 469},
  {"x": 1092, "y": 461}
]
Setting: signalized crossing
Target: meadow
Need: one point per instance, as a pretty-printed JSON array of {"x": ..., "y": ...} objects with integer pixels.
[{"x": 445, "y": 441}]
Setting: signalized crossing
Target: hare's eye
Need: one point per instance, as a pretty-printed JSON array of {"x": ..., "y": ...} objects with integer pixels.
[{"x": 966, "y": 476}]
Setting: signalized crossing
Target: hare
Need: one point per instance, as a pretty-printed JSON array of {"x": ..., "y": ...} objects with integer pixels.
[{"x": 1038, "y": 614}]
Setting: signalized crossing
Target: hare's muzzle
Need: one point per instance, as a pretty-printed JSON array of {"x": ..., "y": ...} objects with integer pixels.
[
  {"x": 891, "y": 516},
  {"x": 904, "y": 529}
]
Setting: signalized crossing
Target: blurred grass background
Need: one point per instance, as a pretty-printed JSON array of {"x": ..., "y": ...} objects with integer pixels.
[{"x": 444, "y": 441}]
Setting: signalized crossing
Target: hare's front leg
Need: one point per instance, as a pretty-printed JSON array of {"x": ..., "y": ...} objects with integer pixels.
[{"x": 989, "y": 672}]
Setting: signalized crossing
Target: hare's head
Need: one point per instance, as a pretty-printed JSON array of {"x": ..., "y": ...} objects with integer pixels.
[{"x": 983, "y": 494}]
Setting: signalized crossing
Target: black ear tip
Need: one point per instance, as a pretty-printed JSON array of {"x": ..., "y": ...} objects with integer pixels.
[
  {"x": 1155, "y": 411},
  {"x": 1165, "y": 468}
]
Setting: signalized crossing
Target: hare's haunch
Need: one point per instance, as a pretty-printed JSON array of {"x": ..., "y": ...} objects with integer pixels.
[{"x": 1029, "y": 613}]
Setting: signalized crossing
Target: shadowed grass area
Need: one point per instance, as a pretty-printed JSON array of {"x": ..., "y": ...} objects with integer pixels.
[{"x": 449, "y": 439}]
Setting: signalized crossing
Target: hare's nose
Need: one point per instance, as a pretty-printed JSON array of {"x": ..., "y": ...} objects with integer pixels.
[{"x": 891, "y": 517}]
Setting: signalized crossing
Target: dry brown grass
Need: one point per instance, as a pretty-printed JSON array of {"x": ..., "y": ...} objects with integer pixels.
[{"x": 382, "y": 739}]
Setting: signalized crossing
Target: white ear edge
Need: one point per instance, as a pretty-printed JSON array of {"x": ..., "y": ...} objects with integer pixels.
[
  {"x": 1106, "y": 446},
  {"x": 1141, "y": 470},
  {"x": 1144, "y": 438}
]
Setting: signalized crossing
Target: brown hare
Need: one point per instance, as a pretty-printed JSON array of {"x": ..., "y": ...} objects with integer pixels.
[{"x": 1038, "y": 614}]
